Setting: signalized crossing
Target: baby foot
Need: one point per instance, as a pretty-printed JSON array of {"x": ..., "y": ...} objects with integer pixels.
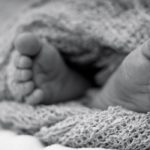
[
  {"x": 130, "y": 84},
  {"x": 40, "y": 73}
]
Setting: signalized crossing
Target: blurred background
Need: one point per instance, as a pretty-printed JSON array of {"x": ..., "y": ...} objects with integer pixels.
[{"x": 9, "y": 8}]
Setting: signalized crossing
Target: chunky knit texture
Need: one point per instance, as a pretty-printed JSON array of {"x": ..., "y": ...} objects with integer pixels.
[
  {"x": 93, "y": 36},
  {"x": 76, "y": 126}
]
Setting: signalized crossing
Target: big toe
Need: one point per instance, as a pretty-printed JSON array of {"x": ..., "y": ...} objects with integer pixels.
[{"x": 27, "y": 44}]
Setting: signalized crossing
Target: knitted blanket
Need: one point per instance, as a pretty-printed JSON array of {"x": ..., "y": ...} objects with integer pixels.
[{"x": 93, "y": 37}]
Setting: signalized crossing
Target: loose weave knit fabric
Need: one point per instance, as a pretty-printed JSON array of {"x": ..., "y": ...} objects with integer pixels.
[
  {"x": 76, "y": 126},
  {"x": 94, "y": 36}
]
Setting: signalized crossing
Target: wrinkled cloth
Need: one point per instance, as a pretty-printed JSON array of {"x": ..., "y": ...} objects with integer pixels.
[
  {"x": 93, "y": 37},
  {"x": 76, "y": 126}
]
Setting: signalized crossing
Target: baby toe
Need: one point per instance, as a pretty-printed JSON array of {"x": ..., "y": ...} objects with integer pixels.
[
  {"x": 36, "y": 97},
  {"x": 23, "y": 75},
  {"x": 28, "y": 44},
  {"x": 24, "y": 62},
  {"x": 27, "y": 88}
]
